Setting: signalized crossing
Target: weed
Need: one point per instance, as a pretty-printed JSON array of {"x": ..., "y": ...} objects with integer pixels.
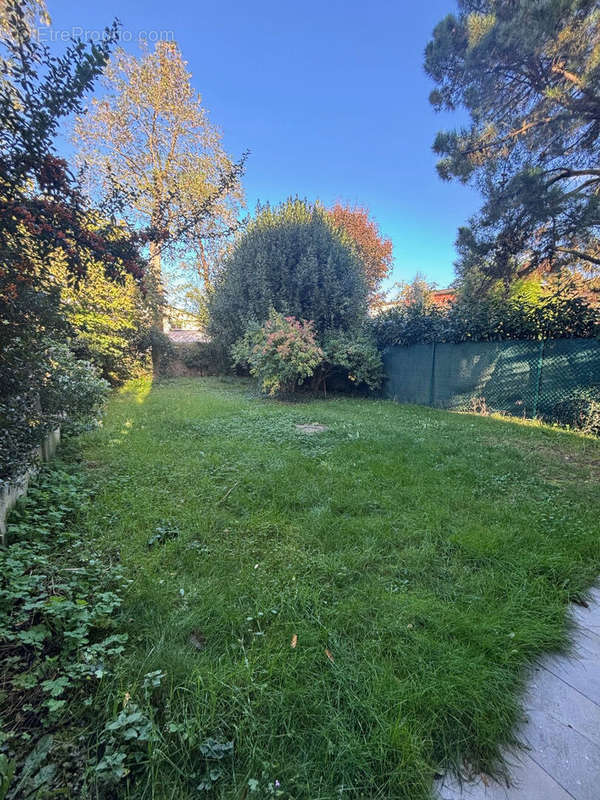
[{"x": 58, "y": 637}]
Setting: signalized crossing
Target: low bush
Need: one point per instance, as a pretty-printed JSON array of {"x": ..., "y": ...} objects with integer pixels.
[
  {"x": 580, "y": 411},
  {"x": 207, "y": 358},
  {"x": 46, "y": 389},
  {"x": 73, "y": 391},
  {"x": 355, "y": 359},
  {"x": 283, "y": 353}
]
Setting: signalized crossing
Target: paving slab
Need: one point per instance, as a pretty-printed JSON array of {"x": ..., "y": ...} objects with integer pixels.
[
  {"x": 549, "y": 694},
  {"x": 565, "y": 754},
  {"x": 589, "y": 617},
  {"x": 561, "y": 728},
  {"x": 582, "y": 669},
  {"x": 528, "y": 781}
]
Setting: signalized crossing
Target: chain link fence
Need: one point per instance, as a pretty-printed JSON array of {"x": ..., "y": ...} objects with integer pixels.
[{"x": 521, "y": 378}]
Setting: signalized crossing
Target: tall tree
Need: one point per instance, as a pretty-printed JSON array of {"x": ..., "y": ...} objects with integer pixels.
[
  {"x": 528, "y": 74},
  {"x": 151, "y": 135},
  {"x": 418, "y": 292},
  {"x": 374, "y": 250},
  {"x": 292, "y": 259},
  {"x": 33, "y": 13}
]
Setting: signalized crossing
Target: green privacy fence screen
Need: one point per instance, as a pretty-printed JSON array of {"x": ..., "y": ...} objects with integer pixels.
[{"x": 522, "y": 378}]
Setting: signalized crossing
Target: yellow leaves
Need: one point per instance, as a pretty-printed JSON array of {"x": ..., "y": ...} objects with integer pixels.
[
  {"x": 478, "y": 26},
  {"x": 151, "y": 134},
  {"x": 35, "y": 14},
  {"x": 328, "y": 652}
]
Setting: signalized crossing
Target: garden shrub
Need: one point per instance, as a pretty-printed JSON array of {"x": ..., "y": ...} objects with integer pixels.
[
  {"x": 73, "y": 391},
  {"x": 282, "y": 353},
  {"x": 208, "y": 358},
  {"x": 295, "y": 260},
  {"x": 43, "y": 390},
  {"x": 355, "y": 358},
  {"x": 580, "y": 411}
]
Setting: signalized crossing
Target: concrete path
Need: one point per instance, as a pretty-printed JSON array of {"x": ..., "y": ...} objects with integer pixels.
[{"x": 562, "y": 707}]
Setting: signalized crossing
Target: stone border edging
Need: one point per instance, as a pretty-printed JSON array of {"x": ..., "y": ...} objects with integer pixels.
[{"x": 11, "y": 492}]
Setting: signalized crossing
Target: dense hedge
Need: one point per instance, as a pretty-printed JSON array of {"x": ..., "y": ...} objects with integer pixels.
[
  {"x": 200, "y": 358},
  {"x": 39, "y": 394},
  {"x": 207, "y": 358},
  {"x": 487, "y": 319}
]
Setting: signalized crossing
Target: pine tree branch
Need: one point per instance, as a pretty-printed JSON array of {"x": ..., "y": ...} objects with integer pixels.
[{"x": 579, "y": 254}]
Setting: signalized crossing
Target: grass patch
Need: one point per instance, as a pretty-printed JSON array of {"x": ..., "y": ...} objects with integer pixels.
[{"x": 422, "y": 559}]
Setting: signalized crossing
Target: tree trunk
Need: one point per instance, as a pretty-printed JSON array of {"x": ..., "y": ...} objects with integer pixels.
[
  {"x": 156, "y": 297},
  {"x": 204, "y": 267}
]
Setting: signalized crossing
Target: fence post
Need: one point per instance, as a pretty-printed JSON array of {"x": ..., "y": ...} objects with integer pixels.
[
  {"x": 538, "y": 378},
  {"x": 432, "y": 381}
]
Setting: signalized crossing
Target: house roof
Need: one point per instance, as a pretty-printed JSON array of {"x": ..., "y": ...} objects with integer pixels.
[
  {"x": 440, "y": 296},
  {"x": 186, "y": 336}
]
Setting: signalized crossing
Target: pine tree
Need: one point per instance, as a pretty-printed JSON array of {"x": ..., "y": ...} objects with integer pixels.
[{"x": 528, "y": 74}]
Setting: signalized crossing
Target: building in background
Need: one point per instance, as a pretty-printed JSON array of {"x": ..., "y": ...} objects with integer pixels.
[{"x": 182, "y": 327}]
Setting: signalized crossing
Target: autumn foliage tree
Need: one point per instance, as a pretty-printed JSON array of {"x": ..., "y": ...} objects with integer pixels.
[
  {"x": 150, "y": 136},
  {"x": 374, "y": 250},
  {"x": 32, "y": 13}
]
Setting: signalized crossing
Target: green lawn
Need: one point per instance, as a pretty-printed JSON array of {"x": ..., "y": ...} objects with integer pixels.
[{"x": 432, "y": 555}]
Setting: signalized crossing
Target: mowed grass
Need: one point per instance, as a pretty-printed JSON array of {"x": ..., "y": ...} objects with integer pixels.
[{"x": 422, "y": 559}]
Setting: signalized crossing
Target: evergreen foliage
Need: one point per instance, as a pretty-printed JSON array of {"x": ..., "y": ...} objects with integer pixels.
[
  {"x": 528, "y": 74},
  {"x": 493, "y": 317},
  {"x": 352, "y": 360},
  {"x": 292, "y": 259}
]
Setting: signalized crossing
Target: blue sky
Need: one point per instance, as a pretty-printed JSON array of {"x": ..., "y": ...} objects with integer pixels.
[{"x": 329, "y": 97}]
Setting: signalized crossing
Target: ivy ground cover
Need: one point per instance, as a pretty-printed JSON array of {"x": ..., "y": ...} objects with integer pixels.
[{"x": 331, "y": 615}]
